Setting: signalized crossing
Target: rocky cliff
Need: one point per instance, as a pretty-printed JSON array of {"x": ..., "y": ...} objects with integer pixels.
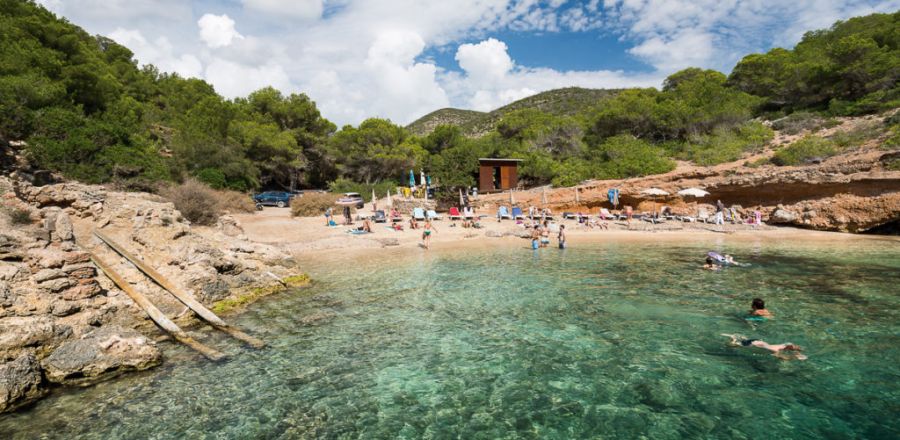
[{"x": 62, "y": 322}]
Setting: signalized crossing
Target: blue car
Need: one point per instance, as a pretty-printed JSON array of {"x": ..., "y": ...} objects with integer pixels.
[{"x": 273, "y": 198}]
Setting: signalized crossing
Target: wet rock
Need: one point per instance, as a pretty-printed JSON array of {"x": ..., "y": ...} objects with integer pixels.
[
  {"x": 20, "y": 382},
  {"x": 99, "y": 355},
  {"x": 17, "y": 332}
]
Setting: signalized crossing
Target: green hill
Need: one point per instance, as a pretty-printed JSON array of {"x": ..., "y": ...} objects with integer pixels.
[{"x": 560, "y": 102}]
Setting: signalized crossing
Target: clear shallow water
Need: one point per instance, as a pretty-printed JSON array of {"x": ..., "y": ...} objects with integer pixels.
[{"x": 598, "y": 341}]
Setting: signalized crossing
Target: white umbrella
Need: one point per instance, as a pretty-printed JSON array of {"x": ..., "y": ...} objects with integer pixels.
[
  {"x": 390, "y": 202},
  {"x": 374, "y": 201},
  {"x": 512, "y": 200},
  {"x": 654, "y": 192},
  {"x": 422, "y": 177},
  {"x": 693, "y": 192},
  {"x": 461, "y": 202}
]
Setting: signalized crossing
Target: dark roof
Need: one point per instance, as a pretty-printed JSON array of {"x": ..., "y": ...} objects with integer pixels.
[{"x": 496, "y": 159}]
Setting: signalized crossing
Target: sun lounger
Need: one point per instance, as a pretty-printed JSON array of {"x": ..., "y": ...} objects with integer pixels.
[
  {"x": 569, "y": 215},
  {"x": 503, "y": 212},
  {"x": 605, "y": 214},
  {"x": 419, "y": 214},
  {"x": 379, "y": 217},
  {"x": 517, "y": 213},
  {"x": 453, "y": 214},
  {"x": 433, "y": 215},
  {"x": 703, "y": 216}
]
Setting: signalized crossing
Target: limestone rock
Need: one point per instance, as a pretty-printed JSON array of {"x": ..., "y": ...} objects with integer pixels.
[
  {"x": 47, "y": 275},
  {"x": 10, "y": 249},
  {"x": 18, "y": 332},
  {"x": 64, "y": 230},
  {"x": 57, "y": 285},
  {"x": 85, "y": 288},
  {"x": 783, "y": 216},
  {"x": 20, "y": 382},
  {"x": 99, "y": 355},
  {"x": 229, "y": 226}
]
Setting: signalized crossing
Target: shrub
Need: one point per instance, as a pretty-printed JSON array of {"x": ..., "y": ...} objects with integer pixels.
[
  {"x": 892, "y": 165},
  {"x": 196, "y": 201},
  {"x": 893, "y": 140},
  {"x": 18, "y": 216},
  {"x": 625, "y": 156},
  {"x": 312, "y": 204},
  {"x": 803, "y": 150},
  {"x": 799, "y": 121},
  {"x": 727, "y": 145},
  {"x": 858, "y": 136},
  {"x": 234, "y": 201},
  {"x": 757, "y": 163}
]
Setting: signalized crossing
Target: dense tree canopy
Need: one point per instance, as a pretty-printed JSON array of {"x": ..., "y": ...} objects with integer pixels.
[{"x": 87, "y": 110}]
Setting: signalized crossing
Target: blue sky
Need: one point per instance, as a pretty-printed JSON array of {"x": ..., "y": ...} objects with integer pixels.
[{"x": 400, "y": 59}]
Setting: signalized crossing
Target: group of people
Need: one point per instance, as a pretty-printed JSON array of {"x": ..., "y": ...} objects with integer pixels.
[{"x": 540, "y": 235}]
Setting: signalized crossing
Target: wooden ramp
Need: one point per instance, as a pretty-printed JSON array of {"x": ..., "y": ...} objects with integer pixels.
[
  {"x": 158, "y": 317},
  {"x": 186, "y": 298}
]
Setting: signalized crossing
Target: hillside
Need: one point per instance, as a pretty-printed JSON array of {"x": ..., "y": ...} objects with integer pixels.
[{"x": 567, "y": 101}]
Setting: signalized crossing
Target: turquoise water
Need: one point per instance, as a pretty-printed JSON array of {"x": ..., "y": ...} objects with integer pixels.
[{"x": 611, "y": 340}]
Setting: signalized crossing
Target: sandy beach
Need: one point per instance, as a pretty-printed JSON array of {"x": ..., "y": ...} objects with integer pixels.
[{"x": 308, "y": 236}]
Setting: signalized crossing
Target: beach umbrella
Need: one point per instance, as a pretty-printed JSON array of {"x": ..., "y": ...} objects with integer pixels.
[
  {"x": 412, "y": 179},
  {"x": 374, "y": 201},
  {"x": 654, "y": 192},
  {"x": 461, "y": 200},
  {"x": 422, "y": 177},
  {"x": 693, "y": 192},
  {"x": 512, "y": 200},
  {"x": 390, "y": 202}
]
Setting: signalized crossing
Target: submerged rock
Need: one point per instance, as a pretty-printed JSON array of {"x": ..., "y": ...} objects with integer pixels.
[
  {"x": 20, "y": 382},
  {"x": 102, "y": 354}
]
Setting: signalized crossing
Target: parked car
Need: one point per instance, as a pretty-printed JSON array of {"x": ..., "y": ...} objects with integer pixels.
[
  {"x": 273, "y": 198},
  {"x": 352, "y": 199}
]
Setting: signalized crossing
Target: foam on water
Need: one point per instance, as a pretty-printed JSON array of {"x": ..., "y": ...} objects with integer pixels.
[{"x": 603, "y": 340}]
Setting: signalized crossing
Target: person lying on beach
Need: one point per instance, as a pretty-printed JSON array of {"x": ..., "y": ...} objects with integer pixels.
[
  {"x": 785, "y": 351},
  {"x": 710, "y": 264},
  {"x": 758, "y": 308},
  {"x": 397, "y": 226}
]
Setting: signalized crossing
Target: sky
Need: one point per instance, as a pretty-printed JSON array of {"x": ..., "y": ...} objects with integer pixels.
[{"x": 401, "y": 59}]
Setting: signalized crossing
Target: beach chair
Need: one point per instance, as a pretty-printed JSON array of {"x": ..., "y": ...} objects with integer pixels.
[
  {"x": 418, "y": 214},
  {"x": 469, "y": 213},
  {"x": 396, "y": 218},
  {"x": 433, "y": 215},
  {"x": 605, "y": 214},
  {"x": 503, "y": 213},
  {"x": 703, "y": 215},
  {"x": 379, "y": 217},
  {"x": 569, "y": 215},
  {"x": 453, "y": 214},
  {"x": 517, "y": 213}
]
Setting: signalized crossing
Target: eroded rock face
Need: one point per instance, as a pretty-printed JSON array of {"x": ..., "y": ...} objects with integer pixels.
[
  {"x": 101, "y": 355},
  {"x": 20, "y": 382},
  {"x": 24, "y": 331}
]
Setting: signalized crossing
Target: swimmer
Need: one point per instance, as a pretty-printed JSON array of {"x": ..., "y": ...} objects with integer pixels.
[
  {"x": 729, "y": 259},
  {"x": 758, "y": 308},
  {"x": 785, "y": 351},
  {"x": 710, "y": 264}
]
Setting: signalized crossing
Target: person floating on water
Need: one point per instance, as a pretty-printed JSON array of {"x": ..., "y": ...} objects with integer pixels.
[
  {"x": 710, "y": 264},
  {"x": 785, "y": 351},
  {"x": 758, "y": 308}
]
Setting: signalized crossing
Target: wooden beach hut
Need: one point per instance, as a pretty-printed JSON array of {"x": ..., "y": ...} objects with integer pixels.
[{"x": 496, "y": 174}]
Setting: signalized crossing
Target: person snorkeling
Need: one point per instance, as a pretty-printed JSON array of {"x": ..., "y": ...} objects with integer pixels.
[{"x": 786, "y": 351}]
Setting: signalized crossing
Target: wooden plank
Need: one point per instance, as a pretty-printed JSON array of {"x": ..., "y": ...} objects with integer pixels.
[
  {"x": 182, "y": 295},
  {"x": 155, "y": 314}
]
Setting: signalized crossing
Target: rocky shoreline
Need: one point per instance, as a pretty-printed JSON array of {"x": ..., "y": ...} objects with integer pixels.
[{"x": 63, "y": 323}]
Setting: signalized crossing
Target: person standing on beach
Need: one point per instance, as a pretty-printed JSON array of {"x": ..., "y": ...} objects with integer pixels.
[
  {"x": 328, "y": 214},
  {"x": 720, "y": 212},
  {"x": 347, "y": 219},
  {"x": 628, "y": 213},
  {"x": 426, "y": 233},
  {"x": 562, "y": 236}
]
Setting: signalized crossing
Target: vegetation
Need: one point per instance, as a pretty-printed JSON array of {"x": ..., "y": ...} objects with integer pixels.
[
  {"x": 312, "y": 204},
  {"x": 18, "y": 216},
  {"x": 805, "y": 150},
  {"x": 88, "y": 111}
]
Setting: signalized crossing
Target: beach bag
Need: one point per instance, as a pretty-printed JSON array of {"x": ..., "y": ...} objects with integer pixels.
[{"x": 331, "y": 223}]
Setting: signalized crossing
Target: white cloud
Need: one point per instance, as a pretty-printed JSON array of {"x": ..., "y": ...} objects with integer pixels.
[
  {"x": 217, "y": 30},
  {"x": 486, "y": 61},
  {"x": 671, "y": 53},
  {"x": 234, "y": 79},
  {"x": 160, "y": 53},
  {"x": 295, "y": 9}
]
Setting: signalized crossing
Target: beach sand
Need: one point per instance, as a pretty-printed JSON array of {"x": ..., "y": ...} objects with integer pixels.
[{"x": 308, "y": 236}]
